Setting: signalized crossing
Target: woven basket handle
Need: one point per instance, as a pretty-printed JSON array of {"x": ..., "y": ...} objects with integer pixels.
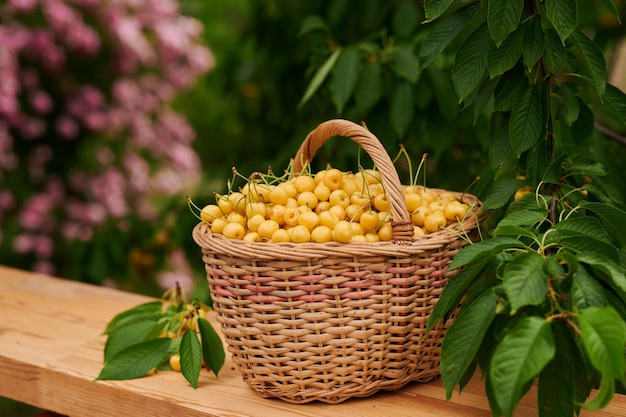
[{"x": 401, "y": 225}]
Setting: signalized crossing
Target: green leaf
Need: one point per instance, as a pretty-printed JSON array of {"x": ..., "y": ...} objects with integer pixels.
[
  {"x": 212, "y": 348},
  {"x": 502, "y": 58},
  {"x": 564, "y": 16},
  {"x": 525, "y": 281},
  {"x": 443, "y": 32},
  {"x": 533, "y": 46},
  {"x": 555, "y": 388},
  {"x": 501, "y": 193},
  {"x": 613, "y": 270},
  {"x": 523, "y": 352},
  {"x": 311, "y": 23},
  {"x": 556, "y": 54},
  {"x": 369, "y": 88},
  {"x": 126, "y": 336},
  {"x": 405, "y": 19},
  {"x": 454, "y": 291},
  {"x": 592, "y": 57},
  {"x": 613, "y": 218},
  {"x": 615, "y": 99},
  {"x": 501, "y": 154},
  {"x": 190, "y": 357},
  {"x": 320, "y": 76},
  {"x": 588, "y": 167},
  {"x": 470, "y": 62},
  {"x": 147, "y": 311},
  {"x": 523, "y": 218},
  {"x": 402, "y": 108},
  {"x": 584, "y": 126},
  {"x": 583, "y": 226},
  {"x": 444, "y": 93},
  {"x": 604, "y": 336},
  {"x": 464, "y": 337},
  {"x": 552, "y": 175},
  {"x": 509, "y": 90},
  {"x": 610, "y": 5},
  {"x": 503, "y": 17},
  {"x": 604, "y": 395},
  {"x": 137, "y": 360},
  {"x": 571, "y": 107},
  {"x": 483, "y": 248},
  {"x": 344, "y": 77},
  {"x": 435, "y": 8},
  {"x": 526, "y": 121},
  {"x": 516, "y": 231},
  {"x": 405, "y": 63},
  {"x": 588, "y": 244},
  {"x": 586, "y": 291},
  {"x": 483, "y": 105}
]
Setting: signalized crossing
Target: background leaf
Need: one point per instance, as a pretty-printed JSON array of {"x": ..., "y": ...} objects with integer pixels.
[
  {"x": 526, "y": 118},
  {"x": 501, "y": 193},
  {"x": 564, "y": 16},
  {"x": 523, "y": 352},
  {"x": 555, "y": 388},
  {"x": 503, "y": 17},
  {"x": 502, "y": 58},
  {"x": 523, "y": 218},
  {"x": 402, "y": 108},
  {"x": 137, "y": 360},
  {"x": 604, "y": 336},
  {"x": 454, "y": 291},
  {"x": 556, "y": 54},
  {"x": 212, "y": 347},
  {"x": 464, "y": 337},
  {"x": 190, "y": 357},
  {"x": 405, "y": 63},
  {"x": 525, "y": 281},
  {"x": 369, "y": 88},
  {"x": 612, "y": 217},
  {"x": 320, "y": 76},
  {"x": 533, "y": 45},
  {"x": 147, "y": 311},
  {"x": 126, "y": 336},
  {"x": 435, "y": 8},
  {"x": 470, "y": 62},
  {"x": 486, "y": 247},
  {"x": 344, "y": 77},
  {"x": 593, "y": 58},
  {"x": 443, "y": 32}
]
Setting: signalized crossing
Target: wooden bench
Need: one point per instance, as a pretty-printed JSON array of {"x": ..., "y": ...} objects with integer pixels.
[{"x": 51, "y": 350}]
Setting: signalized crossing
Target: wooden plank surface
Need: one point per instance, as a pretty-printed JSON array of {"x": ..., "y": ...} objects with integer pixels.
[{"x": 51, "y": 350}]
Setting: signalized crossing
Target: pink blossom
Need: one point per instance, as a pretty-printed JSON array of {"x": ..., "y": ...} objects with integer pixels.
[
  {"x": 44, "y": 267},
  {"x": 67, "y": 127},
  {"x": 23, "y": 6},
  {"x": 121, "y": 121},
  {"x": 42, "y": 102},
  {"x": 60, "y": 16},
  {"x": 33, "y": 128},
  {"x": 23, "y": 243},
  {"x": 83, "y": 39},
  {"x": 7, "y": 200},
  {"x": 43, "y": 246}
]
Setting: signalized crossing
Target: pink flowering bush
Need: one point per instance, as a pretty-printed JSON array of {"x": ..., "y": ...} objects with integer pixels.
[{"x": 90, "y": 146}]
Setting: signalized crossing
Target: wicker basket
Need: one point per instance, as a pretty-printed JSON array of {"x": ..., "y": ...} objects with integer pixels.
[{"x": 331, "y": 321}]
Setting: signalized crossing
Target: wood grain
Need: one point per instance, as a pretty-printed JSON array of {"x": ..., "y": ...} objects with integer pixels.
[{"x": 51, "y": 351}]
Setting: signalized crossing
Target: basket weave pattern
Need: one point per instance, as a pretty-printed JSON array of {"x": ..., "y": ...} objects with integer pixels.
[{"x": 331, "y": 321}]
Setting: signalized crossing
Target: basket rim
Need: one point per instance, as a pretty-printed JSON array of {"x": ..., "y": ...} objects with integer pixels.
[{"x": 219, "y": 244}]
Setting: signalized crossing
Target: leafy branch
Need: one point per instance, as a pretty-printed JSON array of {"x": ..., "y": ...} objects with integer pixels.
[
  {"x": 548, "y": 288},
  {"x": 162, "y": 335}
]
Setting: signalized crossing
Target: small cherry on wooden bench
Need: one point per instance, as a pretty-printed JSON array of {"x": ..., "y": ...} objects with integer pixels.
[{"x": 51, "y": 350}]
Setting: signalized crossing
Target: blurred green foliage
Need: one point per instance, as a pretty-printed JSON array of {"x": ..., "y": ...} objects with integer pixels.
[{"x": 247, "y": 112}]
